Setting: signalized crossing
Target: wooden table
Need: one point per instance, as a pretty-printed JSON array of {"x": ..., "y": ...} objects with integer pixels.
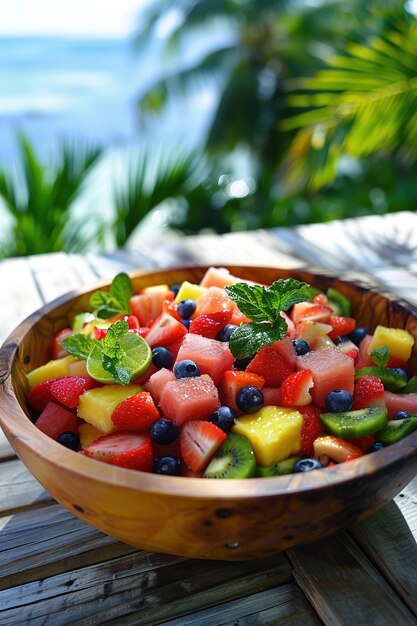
[{"x": 55, "y": 569}]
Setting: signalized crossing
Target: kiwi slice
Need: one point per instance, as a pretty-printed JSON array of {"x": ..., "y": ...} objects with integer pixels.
[
  {"x": 278, "y": 469},
  {"x": 234, "y": 459},
  {"x": 411, "y": 386},
  {"x": 396, "y": 430},
  {"x": 391, "y": 379},
  {"x": 339, "y": 303},
  {"x": 350, "y": 424}
]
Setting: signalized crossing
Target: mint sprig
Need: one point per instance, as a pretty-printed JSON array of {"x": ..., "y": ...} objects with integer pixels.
[
  {"x": 263, "y": 307},
  {"x": 79, "y": 345},
  {"x": 115, "y": 301},
  {"x": 380, "y": 356}
]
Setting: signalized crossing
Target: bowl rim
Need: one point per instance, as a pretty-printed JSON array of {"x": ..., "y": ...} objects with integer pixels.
[{"x": 16, "y": 424}]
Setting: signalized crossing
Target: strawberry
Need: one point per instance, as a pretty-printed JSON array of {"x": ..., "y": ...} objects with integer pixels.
[
  {"x": 369, "y": 391},
  {"x": 68, "y": 390},
  {"x": 199, "y": 441},
  {"x": 58, "y": 351},
  {"x": 99, "y": 333},
  {"x": 341, "y": 326},
  {"x": 39, "y": 396},
  {"x": 132, "y": 321},
  {"x": 165, "y": 330},
  {"x": 210, "y": 324},
  {"x": 311, "y": 429},
  {"x": 295, "y": 388},
  {"x": 123, "y": 448},
  {"x": 136, "y": 413},
  {"x": 320, "y": 298},
  {"x": 364, "y": 443},
  {"x": 271, "y": 365},
  {"x": 310, "y": 311}
]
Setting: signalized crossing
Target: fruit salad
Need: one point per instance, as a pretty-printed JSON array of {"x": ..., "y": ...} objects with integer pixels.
[{"x": 224, "y": 379}]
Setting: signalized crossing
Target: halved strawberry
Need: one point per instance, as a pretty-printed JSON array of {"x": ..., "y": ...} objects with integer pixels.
[
  {"x": 68, "y": 390},
  {"x": 210, "y": 324},
  {"x": 320, "y": 298},
  {"x": 232, "y": 382},
  {"x": 137, "y": 413},
  {"x": 310, "y": 311},
  {"x": 271, "y": 365},
  {"x": 55, "y": 420},
  {"x": 368, "y": 392},
  {"x": 311, "y": 428},
  {"x": 289, "y": 322},
  {"x": 123, "y": 448},
  {"x": 295, "y": 389},
  {"x": 341, "y": 326},
  {"x": 39, "y": 396},
  {"x": 364, "y": 443},
  {"x": 199, "y": 441},
  {"x": 58, "y": 351},
  {"x": 165, "y": 330}
]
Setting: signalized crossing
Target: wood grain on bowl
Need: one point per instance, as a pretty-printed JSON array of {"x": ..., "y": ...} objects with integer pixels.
[{"x": 216, "y": 519}]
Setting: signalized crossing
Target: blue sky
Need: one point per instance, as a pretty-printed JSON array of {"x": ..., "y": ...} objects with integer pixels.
[{"x": 100, "y": 18}]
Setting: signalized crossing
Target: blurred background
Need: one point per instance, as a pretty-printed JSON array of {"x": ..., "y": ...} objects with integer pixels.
[{"x": 131, "y": 119}]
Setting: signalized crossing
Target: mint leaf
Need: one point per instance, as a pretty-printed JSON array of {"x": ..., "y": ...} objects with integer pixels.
[
  {"x": 289, "y": 291},
  {"x": 380, "y": 356},
  {"x": 110, "y": 344},
  {"x": 253, "y": 301},
  {"x": 248, "y": 339},
  {"x": 115, "y": 301},
  {"x": 79, "y": 345}
]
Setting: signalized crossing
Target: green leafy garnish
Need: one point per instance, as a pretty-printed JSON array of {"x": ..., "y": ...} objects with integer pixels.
[
  {"x": 112, "y": 354},
  {"x": 79, "y": 345},
  {"x": 115, "y": 301},
  {"x": 380, "y": 356},
  {"x": 263, "y": 307}
]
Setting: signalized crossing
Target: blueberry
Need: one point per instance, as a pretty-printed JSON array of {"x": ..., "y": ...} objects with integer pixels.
[
  {"x": 224, "y": 418},
  {"x": 186, "y": 369},
  {"x": 242, "y": 364},
  {"x": 339, "y": 400},
  {"x": 186, "y": 308},
  {"x": 167, "y": 465},
  {"x": 186, "y": 323},
  {"x": 402, "y": 415},
  {"x": 162, "y": 357},
  {"x": 250, "y": 399},
  {"x": 358, "y": 334},
  {"x": 376, "y": 446},
  {"x": 301, "y": 347},
  {"x": 306, "y": 465},
  {"x": 69, "y": 440},
  {"x": 175, "y": 289},
  {"x": 226, "y": 332},
  {"x": 164, "y": 431},
  {"x": 400, "y": 371}
]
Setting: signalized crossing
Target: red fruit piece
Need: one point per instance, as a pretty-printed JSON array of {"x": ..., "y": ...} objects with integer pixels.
[
  {"x": 232, "y": 382},
  {"x": 39, "y": 396},
  {"x": 400, "y": 402},
  {"x": 320, "y": 298},
  {"x": 210, "y": 324},
  {"x": 58, "y": 351},
  {"x": 350, "y": 349},
  {"x": 271, "y": 365},
  {"x": 165, "y": 330},
  {"x": 331, "y": 369},
  {"x": 136, "y": 413},
  {"x": 212, "y": 357},
  {"x": 295, "y": 389},
  {"x": 199, "y": 441},
  {"x": 310, "y": 311},
  {"x": 341, "y": 326},
  {"x": 311, "y": 429},
  {"x": 157, "y": 382},
  {"x": 189, "y": 399},
  {"x": 369, "y": 392},
  {"x": 147, "y": 306},
  {"x": 364, "y": 443},
  {"x": 68, "y": 390},
  {"x": 55, "y": 420},
  {"x": 123, "y": 448}
]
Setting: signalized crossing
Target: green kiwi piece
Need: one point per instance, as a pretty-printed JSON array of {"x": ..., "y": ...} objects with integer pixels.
[
  {"x": 278, "y": 469},
  {"x": 339, "y": 303},
  {"x": 391, "y": 379},
  {"x": 411, "y": 386},
  {"x": 396, "y": 430},
  {"x": 359, "y": 423},
  {"x": 234, "y": 459}
]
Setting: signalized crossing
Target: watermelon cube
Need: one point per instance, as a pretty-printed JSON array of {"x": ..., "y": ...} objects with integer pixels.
[
  {"x": 147, "y": 306},
  {"x": 331, "y": 369},
  {"x": 189, "y": 399},
  {"x": 400, "y": 402},
  {"x": 157, "y": 382},
  {"x": 166, "y": 330},
  {"x": 212, "y": 357},
  {"x": 55, "y": 420}
]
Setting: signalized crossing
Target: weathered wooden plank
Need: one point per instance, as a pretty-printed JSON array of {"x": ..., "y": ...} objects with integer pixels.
[
  {"x": 344, "y": 587},
  {"x": 106, "y": 266},
  {"x": 6, "y": 450},
  {"x": 279, "y": 605},
  {"x": 54, "y": 274},
  {"x": 143, "y": 584},
  {"x": 19, "y": 489},
  {"x": 36, "y": 544}
]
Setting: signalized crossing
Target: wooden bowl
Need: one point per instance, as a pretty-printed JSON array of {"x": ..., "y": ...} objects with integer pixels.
[{"x": 214, "y": 519}]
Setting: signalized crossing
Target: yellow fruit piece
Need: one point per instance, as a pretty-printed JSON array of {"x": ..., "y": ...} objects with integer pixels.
[
  {"x": 398, "y": 341},
  {"x": 88, "y": 434},
  {"x": 274, "y": 432},
  {"x": 51, "y": 370},
  {"x": 189, "y": 290},
  {"x": 97, "y": 405},
  {"x": 154, "y": 288}
]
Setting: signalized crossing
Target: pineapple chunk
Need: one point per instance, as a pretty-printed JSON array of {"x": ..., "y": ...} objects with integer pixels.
[
  {"x": 154, "y": 288},
  {"x": 51, "y": 370},
  {"x": 97, "y": 405},
  {"x": 274, "y": 432},
  {"x": 399, "y": 342},
  {"x": 189, "y": 290},
  {"x": 88, "y": 434}
]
